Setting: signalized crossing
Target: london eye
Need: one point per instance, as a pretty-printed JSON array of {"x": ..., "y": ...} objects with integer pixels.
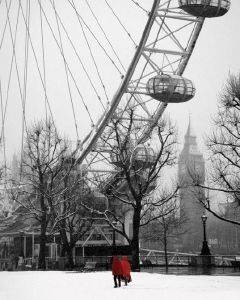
[{"x": 84, "y": 63}]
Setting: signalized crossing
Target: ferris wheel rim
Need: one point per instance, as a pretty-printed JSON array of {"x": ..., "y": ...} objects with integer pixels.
[
  {"x": 180, "y": 71},
  {"x": 89, "y": 142},
  {"x": 94, "y": 134},
  {"x": 107, "y": 115}
]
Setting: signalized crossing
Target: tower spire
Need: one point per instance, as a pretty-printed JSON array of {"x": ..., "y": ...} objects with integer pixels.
[
  {"x": 190, "y": 131},
  {"x": 190, "y": 142},
  {"x": 190, "y": 162}
]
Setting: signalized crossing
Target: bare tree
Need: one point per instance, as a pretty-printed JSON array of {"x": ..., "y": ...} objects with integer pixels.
[
  {"x": 168, "y": 226},
  {"x": 39, "y": 188},
  {"x": 71, "y": 219},
  {"x": 224, "y": 147},
  {"x": 138, "y": 170}
]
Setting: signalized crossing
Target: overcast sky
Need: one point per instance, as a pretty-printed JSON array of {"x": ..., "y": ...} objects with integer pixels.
[{"x": 217, "y": 53}]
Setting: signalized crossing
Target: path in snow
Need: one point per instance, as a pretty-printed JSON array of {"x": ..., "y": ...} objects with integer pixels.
[{"x": 99, "y": 286}]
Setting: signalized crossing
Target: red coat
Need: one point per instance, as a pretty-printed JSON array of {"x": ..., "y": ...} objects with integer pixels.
[
  {"x": 116, "y": 266},
  {"x": 126, "y": 267}
]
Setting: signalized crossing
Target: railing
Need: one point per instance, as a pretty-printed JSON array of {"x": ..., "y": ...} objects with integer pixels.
[
  {"x": 26, "y": 264},
  {"x": 4, "y": 264},
  {"x": 227, "y": 260},
  {"x": 32, "y": 263},
  {"x": 146, "y": 261},
  {"x": 160, "y": 260},
  {"x": 187, "y": 260}
]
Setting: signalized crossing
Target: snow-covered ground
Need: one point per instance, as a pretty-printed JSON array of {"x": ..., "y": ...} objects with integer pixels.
[{"x": 99, "y": 285}]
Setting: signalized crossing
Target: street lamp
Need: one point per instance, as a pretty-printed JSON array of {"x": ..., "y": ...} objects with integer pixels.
[{"x": 205, "y": 249}]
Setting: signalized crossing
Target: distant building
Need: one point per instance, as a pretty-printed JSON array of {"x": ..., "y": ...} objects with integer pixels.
[
  {"x": 191, "y": 165},
  {"x": 224, "y": 237}
]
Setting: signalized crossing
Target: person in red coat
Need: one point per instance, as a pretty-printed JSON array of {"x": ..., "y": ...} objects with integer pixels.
[
  {"x": 126, "y": 268},
  {"x": 117, "y": 271}
]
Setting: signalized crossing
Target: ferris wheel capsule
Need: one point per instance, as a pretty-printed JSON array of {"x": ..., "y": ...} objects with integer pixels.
[
  {"x": 140, "y": 156},
  {"x": 144, "y": 157},
  {"x": 170, "y": 88},
  {"x": 205, "y": 8}
]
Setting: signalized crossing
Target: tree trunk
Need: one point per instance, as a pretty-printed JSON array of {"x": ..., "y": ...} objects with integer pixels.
[
  {"x": 64, "y": 240},
  {"x": 135, "y": 255},
  {"x": 165, "y": 251},
  {"x": 135, "y": 240},
  {"x": 67, "y": 247},
  {"x": 63, "y": 249},
  {"x": 43, "y": 240},
  {"x": 43, "y": 224},
  {"x": 70, "y": 261},
  {"x": 67, "y": 250}
]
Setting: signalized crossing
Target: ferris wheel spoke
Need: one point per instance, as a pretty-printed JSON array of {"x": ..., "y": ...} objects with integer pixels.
[
  {"x": 78, "y": 57},
  {"x": 70, "y": 55},
  {"x": 96, "y": 39},
  {"x": 25, "y": 76},
  {"x": 66, "y": 73},
  {"x": 92, "y": 57},
  {"x": 105, "y": 35},
  {"x": 5, "y": 23},
  {"x": 120, "y": 22},
  {"x": 10, "y": 71},
  {"x": 2, "y": 138},
  {"x": 36, "y": 61},
  {"x": 43, "y": 59},
  {"x": 65, "y": 60},
  {"x": 139, "y": 6},
  {"x": 13, "y": 44},
  {"x": 126, "y": 80}
]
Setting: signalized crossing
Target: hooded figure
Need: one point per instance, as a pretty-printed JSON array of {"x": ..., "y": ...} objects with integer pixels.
[
  {"x": 117, "y": 271},
  {"x": 126, "y": 269}
]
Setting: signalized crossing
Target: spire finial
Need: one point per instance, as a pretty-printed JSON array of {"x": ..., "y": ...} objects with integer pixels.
[{"x": 190, "y": 131}]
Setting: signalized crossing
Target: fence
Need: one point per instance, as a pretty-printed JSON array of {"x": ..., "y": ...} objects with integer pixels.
[
  {"x": 186, "y": 260},
  {"x": 146, "y": 261}
]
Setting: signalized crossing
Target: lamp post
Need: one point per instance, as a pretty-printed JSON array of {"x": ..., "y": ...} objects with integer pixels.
[{"x": 205, "y": 249}]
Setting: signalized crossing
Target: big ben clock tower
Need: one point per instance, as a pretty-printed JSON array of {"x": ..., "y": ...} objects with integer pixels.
[{"x": 191, "y": 163}]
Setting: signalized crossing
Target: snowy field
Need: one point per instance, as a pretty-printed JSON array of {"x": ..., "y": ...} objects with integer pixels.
[{"x": 99, "y": 285}]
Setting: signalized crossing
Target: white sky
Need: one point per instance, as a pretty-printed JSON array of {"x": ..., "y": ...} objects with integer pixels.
[{"x": 215, "y": 55}]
